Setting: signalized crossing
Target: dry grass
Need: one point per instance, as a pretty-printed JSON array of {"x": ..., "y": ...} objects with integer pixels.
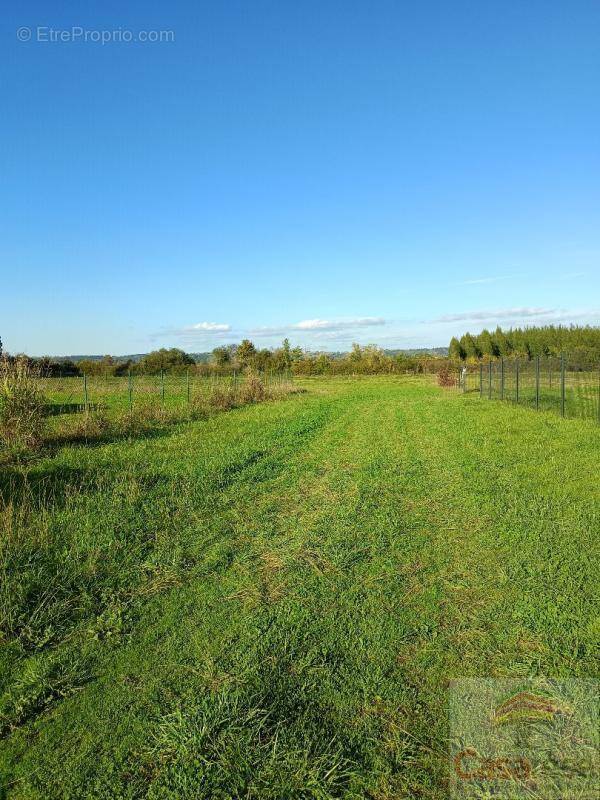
[
  {"x": 223, "y": 399},
  {"x": 104, "y": 424},
  {"x": 253, "y": 389},
  {"x": 22, "y": 406}
]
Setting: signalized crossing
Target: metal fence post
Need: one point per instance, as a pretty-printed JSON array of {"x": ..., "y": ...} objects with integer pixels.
[
  {"x": 490, "y": 380},
  {"x": 85, "y": 393},
  {"x": 481, "y": 379},
  {"x": 537, "y": 383},
  {"x": 502, "y": 379},
  {"x": 562, "y": 384},
  {"x": 517, "y": 380},
  {"x": 187, "y": 385},
  {"x": 162, "y": 386},
  {"x": 130, "y": 389}
]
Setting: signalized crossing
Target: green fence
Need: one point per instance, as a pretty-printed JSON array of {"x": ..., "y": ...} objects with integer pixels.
[
  {"x": 565, "y": 385},
  {"x": 90, "y": 392}
]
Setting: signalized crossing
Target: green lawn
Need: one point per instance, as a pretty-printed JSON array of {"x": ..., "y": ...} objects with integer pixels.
[{"x": 270, "y": 603}]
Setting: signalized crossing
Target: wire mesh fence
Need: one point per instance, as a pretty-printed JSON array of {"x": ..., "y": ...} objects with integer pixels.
[
  {"x": 566, "y": 385},
  {"x": 75, "y": 394}
]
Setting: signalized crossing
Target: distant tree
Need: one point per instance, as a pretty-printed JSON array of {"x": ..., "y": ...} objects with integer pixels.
[
  {"x": 355, "y": 355},
  {"x": 221, "y": 356},
  {"x": 401, "y": 363},
  {"x": 53, "y": 369},
  {"x": 582, "y": 341},
  {"x": 175, "y": 360},
  {"x": 455, "y": 350},
  {"x": 374, "y": 359},
  {"x": 122, "y": 367},
  {"x": 486, "y": 345},
  {"x": 502, "y": 342},
  {"x": 246, "y": 353},
  {"x": 263, "y": 360},
  {"x": 286, "y": 352},
  {"x": 322, "y": 364},
  {"x": 469, "y": 345},
  {"x": 106, "y": 366},
  {"x": 87, "y": 366}
]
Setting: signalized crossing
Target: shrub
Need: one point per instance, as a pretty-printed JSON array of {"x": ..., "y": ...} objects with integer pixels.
[
  {"x": 253, "y": 389},
  {"x": 223, "y": 399},
  {"x": 22, "y": 405},
  {"x": 446, "y": 377}
]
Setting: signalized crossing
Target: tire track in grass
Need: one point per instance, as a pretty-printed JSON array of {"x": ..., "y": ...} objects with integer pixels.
[
  {"x": 248, "y": 492},
  {"x": 354, "y": 535},
  {"x": 344, "y": 572},
  {"x": 388, "y": 631},
  {"x": 464, "y": 596},
  {"x": 276, "y": 441},
  {"x": 490, "y": 587}
]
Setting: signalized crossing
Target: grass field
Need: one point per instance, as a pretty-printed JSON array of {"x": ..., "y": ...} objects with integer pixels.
[{"x": 270, "y": 603}]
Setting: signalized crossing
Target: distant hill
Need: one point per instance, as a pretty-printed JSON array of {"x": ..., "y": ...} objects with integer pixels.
[
  {"x": 419, "y": 351},
  {"x": 202, "y": 358},
  {"x": 135, "y": 357},
  {"x": 117, "y": 359}
]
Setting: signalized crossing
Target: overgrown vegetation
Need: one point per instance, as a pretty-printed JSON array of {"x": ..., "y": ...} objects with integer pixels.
[
  {"x": 270, "y": 604},
  {"x": 26, "y": 427},
  {"x": 22, "y": 405}
]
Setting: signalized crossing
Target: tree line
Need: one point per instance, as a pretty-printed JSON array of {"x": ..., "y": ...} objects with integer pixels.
[
  {"x": 225, "y": 360},
  {"x": 580, "y": 342}
]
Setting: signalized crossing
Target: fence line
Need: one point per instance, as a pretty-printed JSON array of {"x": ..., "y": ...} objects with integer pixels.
[
  {"x": 563, "y": 384},
  {"x": 75, "y": 394}
]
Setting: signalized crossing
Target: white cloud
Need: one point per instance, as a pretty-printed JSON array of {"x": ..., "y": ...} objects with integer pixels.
[
  {"x": 197, "y": 333},
  {"x": 312, "y": 325},
  {"x": 208, "y": 327},
  {"x": 503, "y": 313},
  {"x": 473, "y": 281},
  {"x": 317, "y": 326}
]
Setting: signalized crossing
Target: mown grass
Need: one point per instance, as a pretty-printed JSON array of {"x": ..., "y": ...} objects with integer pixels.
[{"x": 269, "y": 603}]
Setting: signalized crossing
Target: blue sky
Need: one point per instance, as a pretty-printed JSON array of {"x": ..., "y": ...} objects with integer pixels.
[{"x": 389, "y": 172}]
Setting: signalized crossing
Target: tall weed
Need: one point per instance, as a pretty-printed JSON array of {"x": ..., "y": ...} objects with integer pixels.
[{"x": 22, "y": 406}]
